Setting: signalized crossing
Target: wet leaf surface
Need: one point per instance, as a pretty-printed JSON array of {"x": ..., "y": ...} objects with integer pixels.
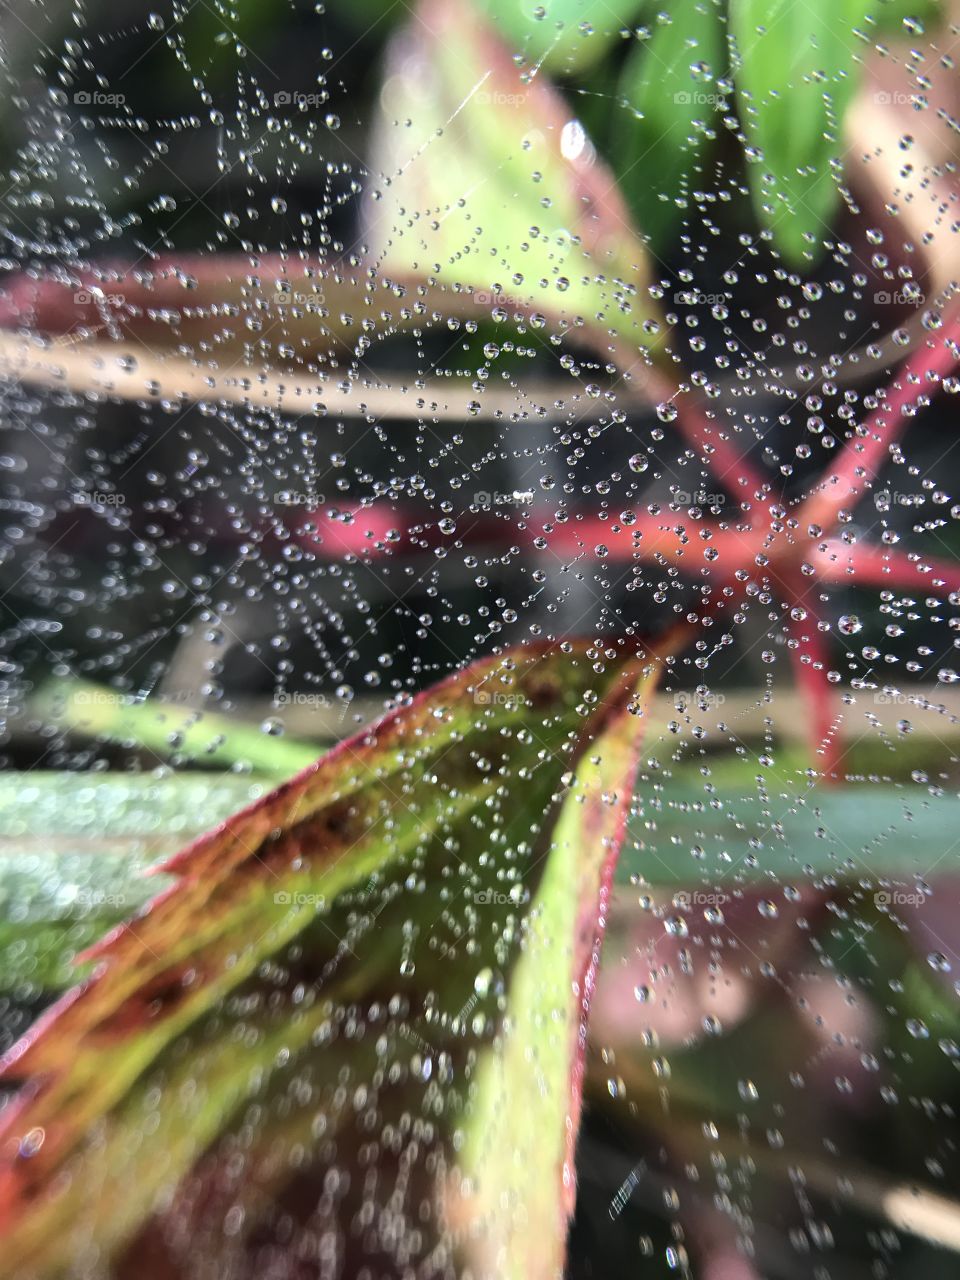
[{"x": 410, "y": 835}]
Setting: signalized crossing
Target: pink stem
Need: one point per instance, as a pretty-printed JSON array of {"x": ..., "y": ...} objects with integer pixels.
[
  {"x": 863, "y": 456},
  {"x": 811, "y": 661},
  {"x": 864, "y": 565}
]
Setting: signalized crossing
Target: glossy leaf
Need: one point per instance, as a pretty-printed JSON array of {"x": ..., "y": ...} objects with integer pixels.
[
  {"x": 403, "y": 941},
  {"x": 168, "y": 729},
  {"x": 489, "y": 185},
  {"x": 561, "y": 35},
  {"x": 669, "y": 86},
  {"x": 796, "y": 69}
]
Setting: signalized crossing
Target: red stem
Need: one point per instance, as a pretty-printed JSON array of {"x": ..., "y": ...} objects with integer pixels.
[{"x": 863, "y": 456}]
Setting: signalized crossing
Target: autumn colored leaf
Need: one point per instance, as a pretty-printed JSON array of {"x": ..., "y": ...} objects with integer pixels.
[
  {"x": 353, "y": 1028},
  {"x": 489, "y": 186}
]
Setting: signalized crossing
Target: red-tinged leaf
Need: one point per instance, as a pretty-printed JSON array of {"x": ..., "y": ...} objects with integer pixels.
[
  {"x": 296, "y": 1057},
  {"x": 489, "y": 186},
  {"x": 524, "y": 1131}
]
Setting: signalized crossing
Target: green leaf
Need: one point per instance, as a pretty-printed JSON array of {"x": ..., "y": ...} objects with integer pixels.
[
  {"x": 73, "y": 848},
  {"x": 169, "y": 730},
  {"x": 375, "y": 979},
  {"x": 489, "y": 186},
  {"x": 891, "y": 15},
  {"x": 739, "y": 834},
  {"x": 562, "y": 35},
  {"x": 796, "y": 69},
  {"x": 660, "y": 140}
]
